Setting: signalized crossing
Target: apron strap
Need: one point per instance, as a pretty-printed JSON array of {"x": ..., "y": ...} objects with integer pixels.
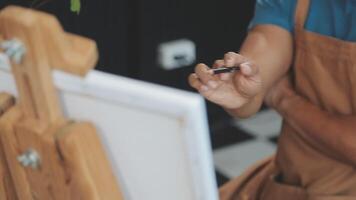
[{"x": 301, "y": 14}]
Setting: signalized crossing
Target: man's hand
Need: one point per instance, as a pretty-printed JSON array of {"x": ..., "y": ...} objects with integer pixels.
[
  {"x": 230, "y": 90},
  {"x": 241, "y": 93}
]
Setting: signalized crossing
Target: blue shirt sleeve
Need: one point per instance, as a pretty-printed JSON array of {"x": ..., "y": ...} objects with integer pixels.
[{"x": 276, "y": 12}]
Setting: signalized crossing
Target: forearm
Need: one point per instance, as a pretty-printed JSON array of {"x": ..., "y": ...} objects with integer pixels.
[
  {"x": 271, "y": 48},
  {"x": 336, "y": 134}
]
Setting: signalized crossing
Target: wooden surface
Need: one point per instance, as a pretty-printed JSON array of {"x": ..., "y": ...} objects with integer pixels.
[
  {"x": 7, "y": 189},
  {"x": 49, "y": 181},
  {"x": 91, "y": 176},
  {"x": 37, "y": 95},
  {"x": 34, "y": 123},
  {"x": 6, "y": 101},
  {"x": 48, "y": 47},
  {"x": 9, "y": 144},
  {"x": 18, "y": 135}
]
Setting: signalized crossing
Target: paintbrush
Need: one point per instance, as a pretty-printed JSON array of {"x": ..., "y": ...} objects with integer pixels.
[{"x": 221, "y": 70}]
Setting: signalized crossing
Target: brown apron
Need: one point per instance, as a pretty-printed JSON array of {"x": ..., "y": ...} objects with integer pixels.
[{"x": 325, "y": 74}]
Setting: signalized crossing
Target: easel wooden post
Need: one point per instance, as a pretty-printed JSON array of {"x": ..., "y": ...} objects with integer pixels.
[{"x": 44, "y": 156}]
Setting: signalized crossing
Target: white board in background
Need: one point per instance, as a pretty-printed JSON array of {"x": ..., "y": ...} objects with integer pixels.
[{"x": 156, "y": 137}]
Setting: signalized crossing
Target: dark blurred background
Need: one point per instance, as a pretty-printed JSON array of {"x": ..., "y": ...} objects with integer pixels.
[{"x": 128, "y": 33}]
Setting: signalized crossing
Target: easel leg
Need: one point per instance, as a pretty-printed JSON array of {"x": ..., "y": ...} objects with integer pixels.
[
  {"x": 86, "y": 161},
  {"x": 13, "y": 183},
  {"x": 7, "y": 190}
]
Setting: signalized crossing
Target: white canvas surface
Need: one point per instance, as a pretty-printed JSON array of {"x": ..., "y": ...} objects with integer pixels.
[{"x": 156, "y": 137}]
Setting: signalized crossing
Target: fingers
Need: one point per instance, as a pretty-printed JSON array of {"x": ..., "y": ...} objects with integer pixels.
[
  {"x": 206, "y": 77},
  {"x": 218, "y": 63},
  {"x": 249, "y": 69},
  {"x": 223, "y": 76},
  {"x": 232, "y": 59},
  {"x": 247, "y": 86},
  {"x": 195, "y": 83},
  {"x": 247, "y": 80}
]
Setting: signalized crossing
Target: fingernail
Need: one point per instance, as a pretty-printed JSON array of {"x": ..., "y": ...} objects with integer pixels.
[
  {"x": 212, "y": 84},
  {"x": 247, "y": 68},
  {"x": 204, "y": 88}
]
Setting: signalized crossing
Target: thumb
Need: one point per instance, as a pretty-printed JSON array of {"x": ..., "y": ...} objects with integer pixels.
[
  {"x": 248, "y": 82},
  {"x": 249, "y": 69}
]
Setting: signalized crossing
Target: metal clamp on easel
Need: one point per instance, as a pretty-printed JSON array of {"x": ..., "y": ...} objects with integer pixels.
[{"x": 43, "y": 155}]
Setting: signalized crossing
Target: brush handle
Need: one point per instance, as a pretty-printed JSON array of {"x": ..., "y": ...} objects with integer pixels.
[{"x": 221, "y": 70}]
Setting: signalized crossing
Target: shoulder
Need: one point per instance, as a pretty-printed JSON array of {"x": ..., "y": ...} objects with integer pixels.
[{"x": 277, "y": 12}]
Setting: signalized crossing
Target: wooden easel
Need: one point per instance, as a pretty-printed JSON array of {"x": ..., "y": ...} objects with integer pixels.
[{"x": 43, "y": 155}]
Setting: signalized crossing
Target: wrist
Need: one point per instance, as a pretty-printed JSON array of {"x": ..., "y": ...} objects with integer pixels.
[{"x": 249, "y": 108}]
